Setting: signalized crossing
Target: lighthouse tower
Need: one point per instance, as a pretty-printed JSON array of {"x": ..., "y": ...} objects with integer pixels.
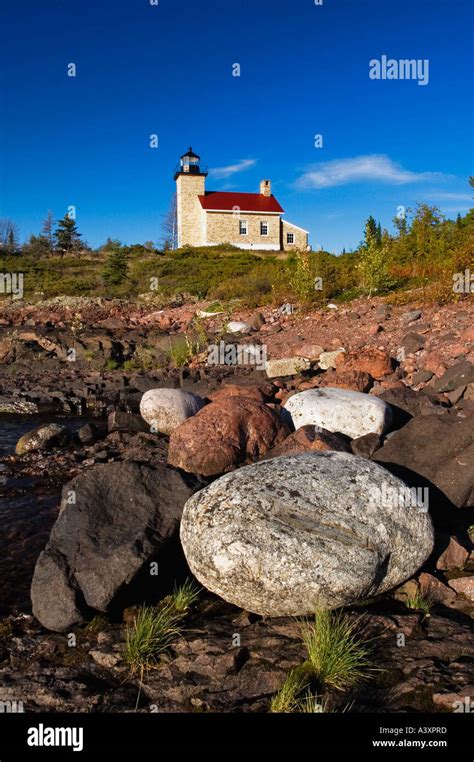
[{"x": 190, "y": 184}]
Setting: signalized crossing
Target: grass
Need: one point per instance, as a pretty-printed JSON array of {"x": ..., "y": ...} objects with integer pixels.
[
  {"x": 419, "y": 602},
  {"x": 286, "y": 700},
  {"x": 156, "y": 627},
  {"x": 338, "y": 656},
  {"x": 151, "y": 634},
  {"x": 185, "y": 348},
  {"x": 184, "y": 596},
  {"x": 312, "y": 704}
]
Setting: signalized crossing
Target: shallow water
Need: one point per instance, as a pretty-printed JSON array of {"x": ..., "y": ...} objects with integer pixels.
[{"x": 26, "y": 515}]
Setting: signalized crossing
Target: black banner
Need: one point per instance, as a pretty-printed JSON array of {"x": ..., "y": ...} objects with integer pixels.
[{"x": 91, "y": 736}]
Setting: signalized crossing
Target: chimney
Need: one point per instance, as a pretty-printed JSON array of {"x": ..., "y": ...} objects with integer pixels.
[{"x": 265, "y": 188}]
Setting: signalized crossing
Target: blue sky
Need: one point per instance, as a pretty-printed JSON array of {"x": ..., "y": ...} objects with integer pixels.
[{"x": 166, "y": 69}]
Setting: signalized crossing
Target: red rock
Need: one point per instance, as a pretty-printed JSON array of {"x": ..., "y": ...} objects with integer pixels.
[
  {"x": 355, "y": 380},
  {"x": 456, "y": 350},
  {"x": 432, "y": 361},
  {"x": 304, "y": 349},
  {"x": 463, "y": 585},
  {"x": 309, "y": 439},
  {"x": 435, "y": 590},
  {"x": 224, "y": 434},
  {"x": 392, "y": 384},
  {"x": 468, "y": 333},
  {"x": 232, "y": 390},
  {"x": 449, "y": 701},
  {"x": 453, "y": 557},
  {"x": 377, "y": 362},
  {"x": 374, "y": 329}
]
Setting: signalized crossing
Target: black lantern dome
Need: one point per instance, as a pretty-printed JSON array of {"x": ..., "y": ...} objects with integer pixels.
[{"x": 189, "y": 164}]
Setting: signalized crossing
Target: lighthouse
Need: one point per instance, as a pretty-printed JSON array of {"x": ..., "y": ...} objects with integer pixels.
[{"x": 190, "y": 181}]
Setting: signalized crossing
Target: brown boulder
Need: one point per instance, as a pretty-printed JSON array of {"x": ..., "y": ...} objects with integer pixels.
[
  {"x": 370, "y": 360},
  {"x": 435, "y": 590},
  {"x": 366, "y": 445},
  {"x": 224, "y": 434},
  {"x": 355, "y": 380},
  {"x": 309, "y": 438},
  {"x": 232, "y": 390},
  {"x": 464, "y": 586},
  {"x": 453, "y": 557}
]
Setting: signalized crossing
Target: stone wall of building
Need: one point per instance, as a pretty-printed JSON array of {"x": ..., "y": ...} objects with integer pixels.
[
  {"x": 223, "y": 227},
  {"x": 300, "y": 237},
  {"x": 191, "y": 218}
]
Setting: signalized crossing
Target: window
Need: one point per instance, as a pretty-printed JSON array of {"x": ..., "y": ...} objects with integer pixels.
[
  {"x": 243, "y": 227},
  {"x": 290, "y": 237},
  {"x": 264, "y": 228}
]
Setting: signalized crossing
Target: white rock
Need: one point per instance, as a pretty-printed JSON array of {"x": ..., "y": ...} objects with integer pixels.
[
  {"x": 237, "y": 326},
  {"x": 165, "y": 409},
  {"x": 287, "y": 536},
  {"x": 341, "y": 410},
  {"x": 286, "y": 366},
  {"x": 332, "y": 306},
  {"x": 328, "y": 359}
]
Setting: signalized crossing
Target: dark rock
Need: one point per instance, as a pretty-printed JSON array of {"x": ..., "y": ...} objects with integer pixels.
[
  {"x": 421, "y": 377},
  {"x": 366, "y": 445},
  {"x": 456, "y": 394},
  {"x": 119, "y": 421},
  {"x": 460, "y": 374},
  {"x": 90, "y": 433},
  {"x": 408, "y": 403},
  {"x": 412, "y": 342},
  {"x": 410, "y": 317},
  {"x": 439, "y": 449},
  {"x": 114, "y": 520},
  {"x": 309, "y": 438}
]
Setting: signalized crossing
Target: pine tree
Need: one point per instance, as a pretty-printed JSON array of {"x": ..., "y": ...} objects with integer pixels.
[
  {"x": 67, "y": 235},
  {"x": 116, "y": 266},
  {"x": 372, "y": 264},
  {"x": 47, "y": 231}
]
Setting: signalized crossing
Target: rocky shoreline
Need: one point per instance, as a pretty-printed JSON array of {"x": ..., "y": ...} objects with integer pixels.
[{"x": 405, "y": 375}]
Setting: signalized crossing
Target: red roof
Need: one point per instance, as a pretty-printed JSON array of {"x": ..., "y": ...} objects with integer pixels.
[{"x": 247, "y": 202}]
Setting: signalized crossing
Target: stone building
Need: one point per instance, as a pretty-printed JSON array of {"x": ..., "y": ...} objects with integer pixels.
[{"x": 246, "y": 220}]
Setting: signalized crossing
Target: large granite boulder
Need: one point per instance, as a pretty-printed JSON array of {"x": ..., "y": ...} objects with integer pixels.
[{"x": 298, "y": 533}]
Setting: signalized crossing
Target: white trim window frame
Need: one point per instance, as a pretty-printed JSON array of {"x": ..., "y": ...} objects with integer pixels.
[
  {"x": 243, "y": 227},
  {"x": 264, "y": 225},
  {"x": 288, "y": 236}
]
